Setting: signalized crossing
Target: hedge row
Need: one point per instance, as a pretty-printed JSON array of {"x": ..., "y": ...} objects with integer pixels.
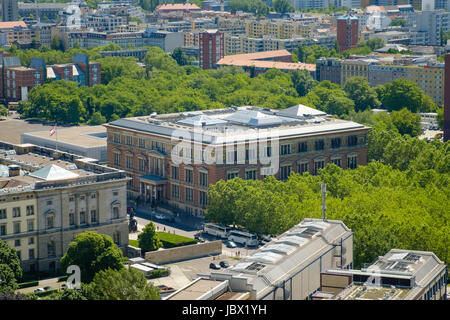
[
  {"x": 63, "y": 278},
  {"x": 158, "y": 274},
  {"x": 28, "y": 284},
  {"x": 46, "y": 293},
  {"x": 170, "y": 240}
]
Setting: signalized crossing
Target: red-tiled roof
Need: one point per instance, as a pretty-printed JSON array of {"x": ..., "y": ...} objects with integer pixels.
[
  {"x": 178, "y": 6},
  {"x": 251, "y": 59},
  {"x": 12, "y": 24}
]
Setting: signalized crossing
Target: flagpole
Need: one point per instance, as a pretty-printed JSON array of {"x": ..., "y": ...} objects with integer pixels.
[{"x": 56, "y": 131}]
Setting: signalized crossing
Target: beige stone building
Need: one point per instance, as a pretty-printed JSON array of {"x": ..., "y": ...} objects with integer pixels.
[{"x": 49, "y": 197}]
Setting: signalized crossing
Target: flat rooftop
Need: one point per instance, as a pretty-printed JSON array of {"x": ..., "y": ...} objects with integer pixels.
[
  {"x": 85, "y": 136},
  {"x": 38, "y": 169},
  {"x": 196, "y": 289},
  {"x": 238, "y": 124}
]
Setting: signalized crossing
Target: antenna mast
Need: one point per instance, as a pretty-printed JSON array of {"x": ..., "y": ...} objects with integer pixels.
[{"x": 324, "y": 196}]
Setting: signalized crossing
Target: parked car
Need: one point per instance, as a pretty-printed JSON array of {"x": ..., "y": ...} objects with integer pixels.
[
  {"x": 199, "y": 238},
  {"x": 169, "y": 218},
  {"x": 159, "y": 216},
  {"x": 37, "y": 290},
  {"x": 224, "y": 264},
  {"x": 230, "y": 244},
  {"x": 214, "y": 266},
  {"x": 47, "y": 288}
]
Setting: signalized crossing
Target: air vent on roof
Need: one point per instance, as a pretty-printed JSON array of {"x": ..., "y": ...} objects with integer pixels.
[{"x": 255, "y": 266}]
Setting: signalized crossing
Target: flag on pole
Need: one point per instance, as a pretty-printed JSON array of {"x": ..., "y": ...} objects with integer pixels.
[{"x": 52, "y": 132}]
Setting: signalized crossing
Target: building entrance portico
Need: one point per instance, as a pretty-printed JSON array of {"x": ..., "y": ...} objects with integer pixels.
[{"x": 153, "y": 189}]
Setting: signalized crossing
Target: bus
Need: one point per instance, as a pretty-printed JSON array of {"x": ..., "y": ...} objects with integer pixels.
[
  {"x": 244, "y": 238},
  {"x": 216, "y": 230}
]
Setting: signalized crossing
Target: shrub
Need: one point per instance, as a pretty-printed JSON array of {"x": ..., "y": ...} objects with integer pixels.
[
  {"x": 28, "y": 284},
  {"x": 158, "y": 274}
]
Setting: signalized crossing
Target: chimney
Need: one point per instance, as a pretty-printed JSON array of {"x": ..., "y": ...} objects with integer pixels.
[
  {"x": 447, "y": 98},
  {"x": 14, "y": 170}
]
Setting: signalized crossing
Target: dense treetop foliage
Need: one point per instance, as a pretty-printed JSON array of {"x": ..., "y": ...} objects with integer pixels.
[
  {"x": 10, "y": 270},
  {"x": 92, "y": 252}
]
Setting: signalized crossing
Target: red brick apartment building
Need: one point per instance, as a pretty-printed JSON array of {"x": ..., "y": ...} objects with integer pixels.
[
  {"x": 227, "y": 143},
  {"x": 347, "y": 32},
  {"x": 211, "y": 48}
]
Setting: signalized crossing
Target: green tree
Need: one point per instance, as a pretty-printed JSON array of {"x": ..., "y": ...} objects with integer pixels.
[
  {"x": 10, "y": 270},
  {"x": 148, "y": 238},
  {"x": 180, "y": 56},
  {"x": 97, "y": 119},
  {"x": 3, "y": 111},
  {"x": 339, "y": 105},
  {"x": 124, "y": 284},
  {"x": 402, "y": 93},
  {"x": 407, "y": 122},
  {"x": 282, "y": 6},
  {"x": 92, "y": 252},
  {"x": 303, "y": 81},
  {"x": 359, "y": 90}
]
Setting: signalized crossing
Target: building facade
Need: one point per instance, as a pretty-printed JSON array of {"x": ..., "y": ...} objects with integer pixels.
[
  {"x": 146, "y": 148},
  {"x": 10, "y": 10},
  {"x": 347, "y": 32},
  {"x": 61, "y": 196},
  {"x": 211, "y": 48},
  {"x": 447, "y": 99}
]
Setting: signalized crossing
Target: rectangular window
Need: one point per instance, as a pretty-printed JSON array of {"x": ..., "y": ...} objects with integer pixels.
[
  {"x": 31, "y": 254},
  {"x": 49, "y": 202},
  {"x": 320, "y": 164},
  {"x": 129, "y": 162},
  {"x": 336, "y": 162},
  {"x": 203, "y": 177},
  {"x": 141, "y": 163},
  {"x": 319, "y": 144},
  {"x": 82, "y": 217},
  {"x": 302, "y": 147},
  {"x": 189, "y": 176},
  {"x": 2, "y": 213},
  {"x": 335, "y": 143},
  {"x": 3, "y": 230},
  {"x": 115, "y": 212},
  {"x": 17, "y": 243},
  {"x": 116, "y": 138},
  {"x": 285, "y": 149},
  {"x": 93, "y": 216},
  {"x": 175, "y": 173},
  {"x": 251, "y": 175},
  {"x": 352, "y": 140},
  {"x": 129, "y": 140},
  {"x": 141, "y": 143},
  {"x": 31, "y": 240},
  {"x": 303, "y": 167},
  {"x": 30, "y": 210},
  {"x": 352, "y": 162},
  {"x": 30, "y": 225},
  {"x": 16, "y": 227},
  {"x": 232, "y": 175},
  {"x": 50, "y": 222},
  {"x": 189, "y": 195},
  {"x": 117, "y": 159},
  {"x": 16, "y": 212},
  {"x": 175, "y": 191},
  {"x": 71, "y": 219},
  {"x": 203, "y": 198},
  {"x": 285, "y": 171}
]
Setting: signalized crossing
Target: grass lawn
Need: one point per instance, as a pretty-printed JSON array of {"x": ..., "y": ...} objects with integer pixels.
[
  {"x": 170, "y": 240},
  {"x": 134, "y": 243}
]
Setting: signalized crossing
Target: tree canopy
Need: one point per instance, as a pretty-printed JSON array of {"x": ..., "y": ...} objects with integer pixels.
[
  {"x": 124, "y": 284},
  {"x": 10, "y": 270},
  {"x": 92, "y": 252},
  {"x": 148, "y": 238}
]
